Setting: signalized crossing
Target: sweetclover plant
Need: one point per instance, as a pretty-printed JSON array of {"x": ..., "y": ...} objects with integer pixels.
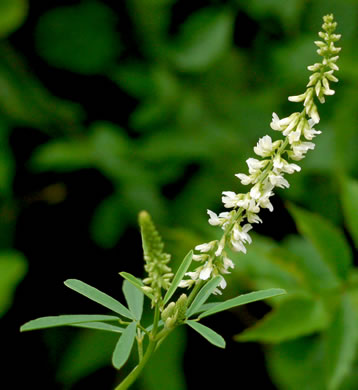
[{"x": 163, "y": 288}]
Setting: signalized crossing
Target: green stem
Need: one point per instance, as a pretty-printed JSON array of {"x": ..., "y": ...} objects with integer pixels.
[
  {"x": 195, "y": 291},
  {"x": 133, "y": 375}
]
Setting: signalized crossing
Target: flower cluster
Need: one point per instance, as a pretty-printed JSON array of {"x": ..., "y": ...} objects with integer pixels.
[
  {"x": 268, "y": 171},
  {"x": 159, "y": 273}
]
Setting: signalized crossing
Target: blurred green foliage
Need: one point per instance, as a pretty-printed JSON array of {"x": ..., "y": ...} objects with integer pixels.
[{"x": 205, "y": 80}]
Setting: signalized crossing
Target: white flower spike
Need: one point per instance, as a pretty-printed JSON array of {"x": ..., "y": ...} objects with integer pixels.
[{"x": 268, "y": 172}]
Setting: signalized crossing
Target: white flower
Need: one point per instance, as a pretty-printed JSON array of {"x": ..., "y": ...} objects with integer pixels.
[
  {"x": 185, "y": 283},
  {"x": 214, "y": 219},
  {"x": 264, "y": 201},
  {"x": 245, "y": 180},
  {"x": 255, "y": 191},
  {"x": 230, "y": 199},
  {"x": 299, "y": 149},
  {"x": 222, "y": 283},
  {"x": 206, "y": 271},
  {"x": 309, "y": 132},
  {"x": 253, "y": 218},
  {"x": 294, "y": 136},
  {"x": 220, "y": 247},
  {"x": 200, "y": 257},
  {"x": 240, "y": 233},
  {"x": 192, "y": 275},
  {"x": 265, "y": 147},
  {"x": 207, "y": 247},
  {"x": 278, "y": 180},
  {"x": 227, "y": 263},
  {"x": 238, "y": 246},
  {"x": 255, "y": 165}
]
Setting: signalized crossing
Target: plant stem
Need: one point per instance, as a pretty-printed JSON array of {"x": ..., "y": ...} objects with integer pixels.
[{"x": 133, "y": 375}]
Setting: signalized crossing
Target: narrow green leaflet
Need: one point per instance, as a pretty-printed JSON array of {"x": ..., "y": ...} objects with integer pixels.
[
  {"x": 124, "y": 346},
  {"x": 243, "y": 300},
  {"x": 99, "y": 326},
  {"x": 340, "y": 344},
  {"x": 134, "y": 298},
  {"x": 209, "y": 334},
  {"x": 136, "y": 282},
  {"x": 98, "y": 296},
  {"x": 350, "y": 207},
  {"x": 179, "y": 276},
  {"x": 327, "y": 239},
  {"x": 204, "y": 38},
  {"x": 52, "y": 321},
  {"x": 203, "y": 295},
  {"x": 295, "y": 317}
]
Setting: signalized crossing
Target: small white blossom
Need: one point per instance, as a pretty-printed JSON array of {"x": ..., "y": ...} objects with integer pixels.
[
  {"x": 214, "y": 219},
  {"x": 278, "y": 180},
  {"x": 240, "y": 233},
  {"x": 207, "y": 247},
  {"x": 206, "y": 271},
  {"x": 245, "y": 179},
  {"x": 265, "y": 147}
]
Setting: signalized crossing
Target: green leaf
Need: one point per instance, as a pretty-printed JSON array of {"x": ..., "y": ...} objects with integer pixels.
[
  {"x": 327, "y": 239},
  {"x": 89, "y": 350},
  {"x": 124, "y": 346},
  {"x": 98, "y": 296},
  {"x": 178, "y": 276},
  {"x": 134, "y": 298},
  {"x": 295, "y": 317},
  {"x": 340, "y": 344},
  {"x": 205, "y": 37},
  {"x": 63, "y": 155},
  {"x": 12, "y": 15},
  {"x": 349, "y": 194},
  {"x": 52, "y": 321},
  {"x": 136, "y": 283},
  {"x": 99, "y": 326},
  {"x": 243, "y": 300},
  {"x": 167, "y": 359},
  {"x": 108, "y": 222},
  {"x": 209, "y": 334},
  {"x": 80, "y": 38},
  {"x": 297, "y": 364},
  {"x": 12, "y": 270},
  {"x": 203, "y": 295}
]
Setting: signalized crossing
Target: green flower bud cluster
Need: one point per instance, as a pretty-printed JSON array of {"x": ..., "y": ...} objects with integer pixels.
[
  {"x": 159, "y": 273},
  {"x": 174, "y": 314},
  {"x": 323, "y": 72}
]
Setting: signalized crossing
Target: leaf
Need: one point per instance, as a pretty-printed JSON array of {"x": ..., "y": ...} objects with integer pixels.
[
  {"x": 209, "y": 334},
  {"x": 52, "y": 321},
  {"x": 99, "y": 326},
  {"x": 243, "y": 300},
  {"x": 12, "y": 15},
  {"x": 297, "y": 364},
  {"x": 178, "y": 276},
  {"x": 340, "y": 344},
  {"x": 203, "y": 295},
  {"x": 205, "y": 37},
  {"x": 62, "y": 155},
  {"x": 86, "y": 353},
  {"x": 98, "y": 296},
  {"x": 349, "y": 195},
  {"x": 108, "y": 222},
  {"x": 80, "y": 38},
  {"x": 295, "y": 317},
  {"x": 12, "y": 270},
  {"x": 327, "y": 239},
  {"x": 134, "y": 298},
  {"x": 136, "y": 283},
  {"x": 167, "y": 359},
  {"x": 124, "y": 346}
]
